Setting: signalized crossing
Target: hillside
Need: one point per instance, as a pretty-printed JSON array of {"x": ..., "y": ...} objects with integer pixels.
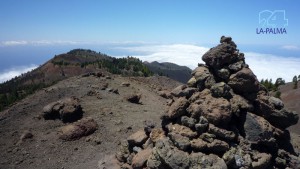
[
  {"x": 171, "y": 70},
  {"x": 291, "y": 99},
  {"x": 44, "y": 149},
  {"x": 63, "y": 66}
]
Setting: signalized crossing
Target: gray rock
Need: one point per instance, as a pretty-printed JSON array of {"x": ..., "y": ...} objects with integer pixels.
[
  {"x": 220, "y": 90},
  {"x": 136, "y": 149},
  {"x": 221, "y": 133},
  {"x": 187, "y": 121},
  {"x": 202, "y": 125},
  {"x": 223, "y": 73},
  {"x": 211, "y": 161},
  {"x": 276, "y": 103},
  {"x": 237, "y": 66},
  {"x": 181, "y": 142},
  {"x": 123, "y": 152},
  {"x": 257, "y": 128},
  {"x": 236, "y": 157},
  {"x": 165, "y": 155}
]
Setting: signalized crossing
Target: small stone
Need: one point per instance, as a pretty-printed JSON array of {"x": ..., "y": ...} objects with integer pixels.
[{"x": 138, "y": 138}]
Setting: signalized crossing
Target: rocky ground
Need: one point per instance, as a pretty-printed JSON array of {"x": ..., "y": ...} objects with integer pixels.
[{"x": 29, "y": 141}]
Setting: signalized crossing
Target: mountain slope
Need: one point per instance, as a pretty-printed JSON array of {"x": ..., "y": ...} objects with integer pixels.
[
  {"x": 73, "y": 63},
  {"x": 291, "y": 99},
  {"x": 115, "y": 116},
  {"x": 176, "y": 72}
]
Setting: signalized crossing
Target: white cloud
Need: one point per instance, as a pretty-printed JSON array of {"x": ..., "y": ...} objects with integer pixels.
[
  {"x": 39, "y": 43},
  {"x": 15, "y": 71},
  {"x": 69, "y": 42},
  {"x": 181, "y": 54},
  {"x": 14, "y": 43},
  {"x": 271, "y": 66},
  {"x": 263, "y": 65},
  {"x": 290, "y": 47}
]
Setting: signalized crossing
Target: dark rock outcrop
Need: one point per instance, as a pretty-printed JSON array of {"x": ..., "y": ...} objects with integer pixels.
[
  {"x": 67, "y": 110},
  {"x": 223, "y": 118}
]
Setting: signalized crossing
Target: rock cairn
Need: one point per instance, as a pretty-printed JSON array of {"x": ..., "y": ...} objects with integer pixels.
[{"x": 223, "y": 118}]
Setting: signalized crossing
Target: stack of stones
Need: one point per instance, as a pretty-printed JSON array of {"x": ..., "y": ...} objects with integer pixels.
[{"x": 223, "y": 118}]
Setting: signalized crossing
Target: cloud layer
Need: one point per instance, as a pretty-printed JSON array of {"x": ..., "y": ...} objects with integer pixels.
[
  {"x": 15, "y": 71},
  {"x": 181, "y": 54},
  {"x": 290, "y": 47},
  {"x": 265, "y": 66}
]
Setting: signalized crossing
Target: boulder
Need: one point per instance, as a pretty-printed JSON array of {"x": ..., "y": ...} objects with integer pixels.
[
  {"x": 221, "y": 55},
  {"x": 178, "y": 108},
  {"x": 134, "y": 98},
  {"x": 67, "y": 109},
  {"x": 244, "y": 79},
  {"x": 76, "y": 130},
  {"x": 268, "y": 107},
  {"x": 183, "y": 91},
  {"x": 140, "y": 159},
  {"x": 216, "y": 110},
  {"x": 257, "y": 129},
  {"x": 237, "y": 66},
  {"x": 137, "y": 138}
]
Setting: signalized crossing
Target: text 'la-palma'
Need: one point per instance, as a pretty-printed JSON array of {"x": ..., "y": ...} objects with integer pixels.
[{"x": 271, "y": 31}]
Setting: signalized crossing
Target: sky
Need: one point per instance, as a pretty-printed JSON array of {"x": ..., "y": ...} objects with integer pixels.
[{"x": 33, "y": 31}]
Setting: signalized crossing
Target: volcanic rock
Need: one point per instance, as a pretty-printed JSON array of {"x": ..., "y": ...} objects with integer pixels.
[
  {"x": 83, "y": 127},
  {"x": 68, "y": 110}
]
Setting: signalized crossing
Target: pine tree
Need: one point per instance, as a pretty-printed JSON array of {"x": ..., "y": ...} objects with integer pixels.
[{"x": 295, "y": 82}]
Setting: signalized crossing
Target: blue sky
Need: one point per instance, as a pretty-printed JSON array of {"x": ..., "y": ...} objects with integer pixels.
[{"x": 32, "y": 31}]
